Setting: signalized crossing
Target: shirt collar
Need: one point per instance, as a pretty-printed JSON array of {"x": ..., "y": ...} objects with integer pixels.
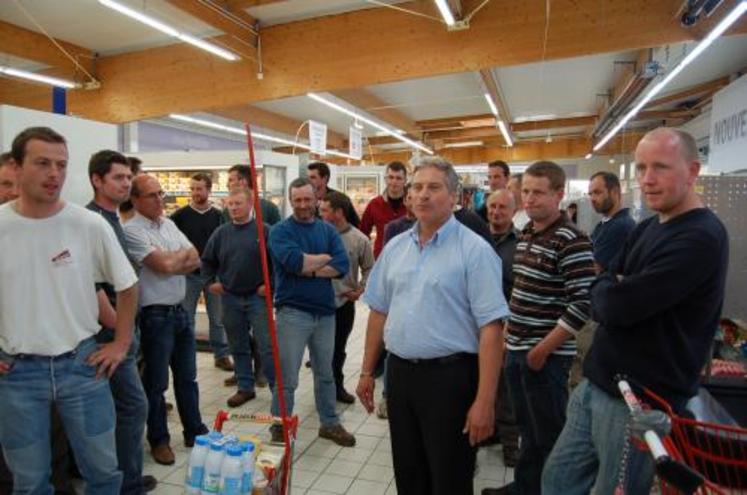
[
  {"x": 147, "y": 221},
  {"x": 441, "y": 234}
]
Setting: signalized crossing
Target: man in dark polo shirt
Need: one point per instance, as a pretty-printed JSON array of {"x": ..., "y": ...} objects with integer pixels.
[
  {"x": 111, "y": 176},
  {"x": 198, "y": 220}
]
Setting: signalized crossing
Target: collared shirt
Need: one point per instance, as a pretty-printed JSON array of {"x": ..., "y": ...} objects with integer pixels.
[
  {"x": 360, "y": 255},
  {"x": 437, "y": 297},
  {"x": 145, "y": 236}
]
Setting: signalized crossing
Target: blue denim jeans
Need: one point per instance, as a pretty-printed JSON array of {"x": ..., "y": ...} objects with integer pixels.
[
  {"x": 296, "y": 330},
  {"x": 167, "y": 341},
  {"x": 197, "y": 284},
  {"x": 588, "y": 451},
  {"x": 87, "y": 411},
  {"x": 240, "y": 314},
  {"x": 539, "y": 398},
  {"x": 132, "y": 411}
]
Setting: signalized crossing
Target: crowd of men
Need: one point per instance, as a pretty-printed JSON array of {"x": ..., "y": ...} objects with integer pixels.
[{"x": 480, "y": 314}]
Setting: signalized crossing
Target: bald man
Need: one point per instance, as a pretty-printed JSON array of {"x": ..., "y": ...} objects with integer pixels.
[
  {"x": 164, "y": 256},
  {"x": 658, "y": 307}
]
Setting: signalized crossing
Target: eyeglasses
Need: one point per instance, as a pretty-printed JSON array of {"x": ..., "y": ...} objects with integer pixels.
[{"x": 157, "y": 194}]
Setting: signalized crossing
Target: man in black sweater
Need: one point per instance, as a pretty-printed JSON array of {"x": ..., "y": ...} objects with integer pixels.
[
  {"x": 197, "y": 221},
  {"x": 658, "y": 309},
  {"x": 231, "y": 262}
]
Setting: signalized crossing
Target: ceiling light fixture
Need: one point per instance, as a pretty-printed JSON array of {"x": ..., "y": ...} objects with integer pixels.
[
  {"x": 171, "y": 31},
  {"x": 446, "y": 13},
  {"x": 464, "y": 144},
  {"x": 588, "y": 156},
  {"x": 722, "y": 26},
  {"x": 500, "y": 123},
  {"x": 256, "y": 135},
  {"x": 32, "y": 76},
  {"x": 387, "y": 130}
]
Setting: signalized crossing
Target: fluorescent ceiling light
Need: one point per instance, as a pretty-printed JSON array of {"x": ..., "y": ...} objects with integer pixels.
[
  {"x": 389, "y": 131},
  {"x": 464, "y": 144},
  {"x": 504, "y": 131},
  {"x": 32, "y": 76},
  {"x": 491, "y": 104},
  {"x": 588, "y": 156},
  {"x": 255, "y": 135},
  {"x": 722, "y": 26},
  {"x": 171, "y": 31},
  {"x": 443, "y": 7}
]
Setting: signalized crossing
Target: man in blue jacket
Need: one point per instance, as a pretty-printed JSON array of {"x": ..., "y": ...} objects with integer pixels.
[{"x": 307, "y": 254}]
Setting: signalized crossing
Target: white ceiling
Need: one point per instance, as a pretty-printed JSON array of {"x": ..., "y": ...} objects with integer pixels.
[
  {"x": 89, "y": 24},
  {"x": 297, "y": 10}
]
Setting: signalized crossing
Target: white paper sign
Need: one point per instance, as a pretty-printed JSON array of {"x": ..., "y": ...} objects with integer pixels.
[
  {"x": 728, "y": 148},
  {"x": 356, "y": 143},
  {"x": 318, "y": 137}
]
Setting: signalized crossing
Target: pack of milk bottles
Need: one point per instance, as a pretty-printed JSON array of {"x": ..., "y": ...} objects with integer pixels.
[{"x": 220, "y": 465}]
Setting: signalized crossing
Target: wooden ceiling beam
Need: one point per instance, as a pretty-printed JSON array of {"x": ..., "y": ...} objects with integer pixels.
[
  {"x": 348, "y": 51},
  {"x": 706, "y": 87},
  {"x": 523, "y": 151},
  {"x": 214, "y": 18},
  {"x": 241, "y": 5},
  {"x": 541, "y": 125},
  {"x": 24, "y": 43},
  {"x": 274, "y": 121}
]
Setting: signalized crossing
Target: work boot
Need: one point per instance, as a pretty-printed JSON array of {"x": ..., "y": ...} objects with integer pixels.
[
  {"x": 338, "y": 434},
  {"x": 231, "y": 382},
  {"x": 241, "y": 397},
  {"x": 345, "y": 397},
  {"x": 163, "y": 454},
  {"x": 224, "y": 363}
]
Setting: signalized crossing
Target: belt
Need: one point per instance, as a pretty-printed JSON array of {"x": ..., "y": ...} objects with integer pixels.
[
  {"x": 451, "y": 358},
  {"x": 161, "y": 307}
]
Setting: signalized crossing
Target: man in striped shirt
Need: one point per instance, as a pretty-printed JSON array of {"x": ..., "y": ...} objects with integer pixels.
[{"x": 553, "y": 270}]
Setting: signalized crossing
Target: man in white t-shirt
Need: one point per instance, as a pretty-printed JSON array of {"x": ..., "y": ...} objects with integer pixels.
[
  {"x": 164, "y": 256},
  {"x": 53, "y": 255}
]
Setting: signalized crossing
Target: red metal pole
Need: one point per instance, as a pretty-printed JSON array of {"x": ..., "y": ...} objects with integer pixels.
[{"x": 270, "y": 316}]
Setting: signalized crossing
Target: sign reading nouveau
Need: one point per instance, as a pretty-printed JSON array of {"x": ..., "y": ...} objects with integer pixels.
[{"x": 728, "y": 148}]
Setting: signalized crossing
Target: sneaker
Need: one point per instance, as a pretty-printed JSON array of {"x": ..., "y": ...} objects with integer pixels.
[
  {"x": 345, "y": 397},
  {"x": 338, "y": 434},
  {"x": 163, "y": 454},
  {"x": 276, "y": 432},
  {"x": 231, "y": 382},
  {"x": 149, "y": 483},
  {"x": 224, "y": 363},
  {"x": 381, "y": 411},
  {"x": 260, "y": 381},
  {"x": 241, "y": 397}
]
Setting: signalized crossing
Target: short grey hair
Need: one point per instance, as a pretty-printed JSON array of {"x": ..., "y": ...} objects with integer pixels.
[
  {"x": 298, "y": 183},
  {"x": 452, "y": 179}
]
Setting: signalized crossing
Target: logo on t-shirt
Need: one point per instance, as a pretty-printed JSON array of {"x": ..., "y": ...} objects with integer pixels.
[{"x": 64, "y": 258}]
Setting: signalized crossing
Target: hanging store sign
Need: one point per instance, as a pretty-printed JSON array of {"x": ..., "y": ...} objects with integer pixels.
[
  {"x": 728, "y": 146},
  {"x": 356, "y": 143},
  {"x": 318, "y": 137}
]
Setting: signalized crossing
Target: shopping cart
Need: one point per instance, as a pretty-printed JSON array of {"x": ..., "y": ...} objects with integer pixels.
[
  {"x": 690, "y": 456},
  {"x": 279, "y": 481}
]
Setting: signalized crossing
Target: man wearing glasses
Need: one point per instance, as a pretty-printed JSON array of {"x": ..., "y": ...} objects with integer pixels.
[{"x": 164, "y": 256}]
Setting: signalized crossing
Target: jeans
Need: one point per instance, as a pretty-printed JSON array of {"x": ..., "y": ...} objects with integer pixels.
[
  {"x": 196, "y": 284},
  {"x": 296, "y": 330},
  {"x": 167, "y": 340},
  {"x": 240, "y": 313},
  {"x": 539, "y": 399},
  {"x": 344, "y": 319},
  {"x": 132, "y": 411},
  {"x": 588, "y": 451},
  {"x": 87, "y": 411}
]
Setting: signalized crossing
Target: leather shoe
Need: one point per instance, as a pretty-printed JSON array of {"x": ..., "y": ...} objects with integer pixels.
[
  {"x": 149, "y": 483},
  {"x": 163, "y": 454},
  {"x": 345, "y": 397},
  {"x": 231, "y": 382},
  {"x": 224, "y": 364},
  {"x": 240, "y": 397}
]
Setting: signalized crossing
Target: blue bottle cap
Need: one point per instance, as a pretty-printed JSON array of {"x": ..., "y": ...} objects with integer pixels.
[
  {"x": 216, "y": 446},
  {"x": 249, "y": 447},
  {"x": 202, "y": 440},
  {"x": 215, "y": 435},
  {"x": 234, "y": 450}
]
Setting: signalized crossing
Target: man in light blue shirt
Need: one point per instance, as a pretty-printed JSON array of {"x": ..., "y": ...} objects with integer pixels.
[{"x": 437, "y": 305}]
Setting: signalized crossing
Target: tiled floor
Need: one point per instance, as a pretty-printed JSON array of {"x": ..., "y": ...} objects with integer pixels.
[{"x": 320, "y": 466}]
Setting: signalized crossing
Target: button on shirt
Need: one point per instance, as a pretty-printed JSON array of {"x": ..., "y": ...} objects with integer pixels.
[
  {"x": 145, "y": 236},
  {"x": 437, "y": 297}
]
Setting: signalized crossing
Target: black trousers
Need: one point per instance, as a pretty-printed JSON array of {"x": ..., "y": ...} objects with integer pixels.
[
  {"x": 344, "y": 319},
  {"x": 427, "y": 404}
]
